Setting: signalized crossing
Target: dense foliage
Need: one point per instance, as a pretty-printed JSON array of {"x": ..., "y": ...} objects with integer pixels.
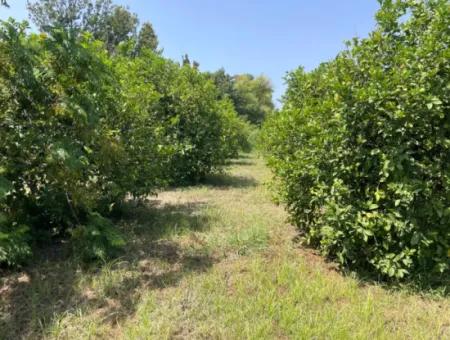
[
  {"x": 251, "y": 96},
  {"x": 361, "y": 148},
  {"x": 107, "y": 22},
  {"x": 82, "y": 130},
  {"x": 199, "y": 130}
]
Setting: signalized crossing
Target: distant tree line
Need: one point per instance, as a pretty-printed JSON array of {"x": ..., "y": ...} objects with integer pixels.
[{"x": 251, "y": 96}]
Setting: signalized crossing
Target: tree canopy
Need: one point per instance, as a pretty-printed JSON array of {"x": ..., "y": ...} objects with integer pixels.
[
  {"x": 252, "y": 96},
  {"x": 361, "y": 147},
  {"x": 110, "y": 23}
]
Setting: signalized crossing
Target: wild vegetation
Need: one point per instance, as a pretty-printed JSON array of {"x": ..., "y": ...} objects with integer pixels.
[{"x": 361, "y": 147}]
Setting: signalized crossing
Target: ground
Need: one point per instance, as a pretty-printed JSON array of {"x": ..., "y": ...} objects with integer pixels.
[{"x": 213, "y": 261}]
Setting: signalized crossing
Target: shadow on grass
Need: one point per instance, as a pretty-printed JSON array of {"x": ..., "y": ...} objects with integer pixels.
[
  {"x": 245, "y": 156},
  {"x": 226, "y": 181},
  {"x": 33, "y": 300},
  {"x": 156, "y": 219},
  {"x": 425, "y": 285},
  {"x": 431, "y": 285},
  {"x": 246, "y": 162}
]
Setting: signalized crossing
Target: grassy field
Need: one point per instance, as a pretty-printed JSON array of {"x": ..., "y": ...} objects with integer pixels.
[{"x": 214, "y": 261}]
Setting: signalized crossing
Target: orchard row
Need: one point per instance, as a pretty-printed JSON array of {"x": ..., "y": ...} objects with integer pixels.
[
  {"x": 361, "y": 148},
  {"x": 83, "y": 129}
]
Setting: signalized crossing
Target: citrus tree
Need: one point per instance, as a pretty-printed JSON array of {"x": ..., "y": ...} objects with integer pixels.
[{"x": 361, "y": 147}]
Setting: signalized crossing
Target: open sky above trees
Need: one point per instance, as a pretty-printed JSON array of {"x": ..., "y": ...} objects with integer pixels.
[{"x": 249, "y": 36}]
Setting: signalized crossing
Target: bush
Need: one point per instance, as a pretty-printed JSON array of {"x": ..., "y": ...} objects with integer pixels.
[
  {"x": 194, "y": 131},
  {"x": 144, "y": 130},
  {"x": 99, "y": 239},
  {"x": 60, "y": 144},
  {"x": 236, "y": 131},
  {"x": 361, "y": 148},
  {"x": 195, "y": 126}
]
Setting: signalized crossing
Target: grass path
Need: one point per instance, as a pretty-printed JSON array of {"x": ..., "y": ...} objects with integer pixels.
[{"x": 215, "y": 261}]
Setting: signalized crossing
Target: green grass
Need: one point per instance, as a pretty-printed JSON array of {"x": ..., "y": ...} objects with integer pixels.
[{"x": 214, "y": 261}]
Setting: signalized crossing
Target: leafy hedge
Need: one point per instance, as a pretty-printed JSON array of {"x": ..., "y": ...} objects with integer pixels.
[
  {"x": 361, "y": 149},
  {"x": 81, "y": 130},
  {"x": 197, "y": 131}
]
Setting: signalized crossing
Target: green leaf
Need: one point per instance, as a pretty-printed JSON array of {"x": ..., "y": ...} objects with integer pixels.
[
  {"x": 5, "y": 187},
  {"x": 373, "y": 206},
  {"x": 415, "y": 239}
]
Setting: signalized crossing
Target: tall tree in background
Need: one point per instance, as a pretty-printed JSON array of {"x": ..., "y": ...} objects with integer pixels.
[
  {"x": 107, "y": 22},
  {"x": 185, "y": 61},
  {"x": 252, "y": 97},
  {"x": 224, "y": 83},
  {"x": 121, "y": 25},
  {"x": 147, "y": 38},
  {"x": 62, "y": 13},
  {"x": 96, "y": 18}
]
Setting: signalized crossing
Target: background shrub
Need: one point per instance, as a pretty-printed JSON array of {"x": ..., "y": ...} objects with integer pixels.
[
  {"x": 193, "y": 130},
  {"x": 361, "y": 147}
]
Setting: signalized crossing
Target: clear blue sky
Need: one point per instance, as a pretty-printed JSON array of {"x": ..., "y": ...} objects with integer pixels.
[{"x": 250, "y": 36}]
